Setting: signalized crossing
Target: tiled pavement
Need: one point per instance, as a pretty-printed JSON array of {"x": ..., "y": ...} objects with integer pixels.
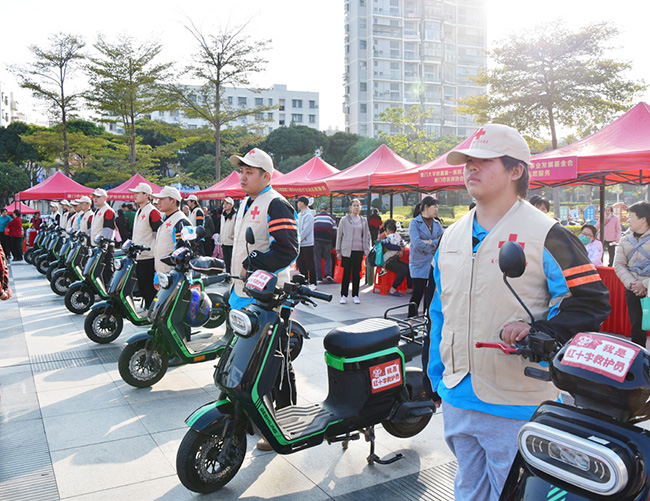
[{"x": 70, "y": 428}]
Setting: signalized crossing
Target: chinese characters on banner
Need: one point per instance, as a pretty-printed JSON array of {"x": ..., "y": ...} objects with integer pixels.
[
  {"x": 601, "y": 354},
  {"x": 542, "y": 172}
]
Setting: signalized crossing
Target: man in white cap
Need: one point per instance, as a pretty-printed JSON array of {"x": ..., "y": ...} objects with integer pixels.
[
  {"x": 486, "y": 396},
  {"x": 227, "y": 233},
  {"x": 85, "y": 214},
  {"x": 146, "y": 223},
  {"x": 168, "y": 236},
  {"x": 275, "y": 225},
  {"x": 103, "y": 221},
  {"x": 74, "y": 215},
  {"x": 55, "y": 215},
  {"x": 197, "y": 216},
  {"x": 65, "y": 214}
]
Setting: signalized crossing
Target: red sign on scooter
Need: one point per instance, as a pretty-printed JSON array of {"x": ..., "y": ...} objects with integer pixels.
[
  {"x": 386, "y": 375},
  {"x": 600, "y": 354}
]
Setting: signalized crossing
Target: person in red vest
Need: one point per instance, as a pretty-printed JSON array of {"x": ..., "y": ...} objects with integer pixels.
[{"x": 15, "y": 233}]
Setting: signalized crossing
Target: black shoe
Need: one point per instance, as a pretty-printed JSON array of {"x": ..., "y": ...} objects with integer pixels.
[{"x": 14, "y": 259}]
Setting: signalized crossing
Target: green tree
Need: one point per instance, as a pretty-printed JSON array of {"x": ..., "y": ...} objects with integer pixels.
[
  {"x": 407, "y": 136},
  {"x": 12, "y": 180},
  {"x": 338, "y": 145},
  {"x": 294, "y": 141},
  {"x": 360, "y": 150},
  {"x": 126, "y": 84},
  {"x": 47, "y": 76},
  {"x": 225, "y": 59},
  {"x": 12, "y": 148},
  {"x": 552, "y": 77}
]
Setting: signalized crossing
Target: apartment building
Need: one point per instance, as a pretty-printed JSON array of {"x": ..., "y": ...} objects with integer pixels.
[
  {"x": 400, "y": 53},
  {"x": 287, "y": 107}
]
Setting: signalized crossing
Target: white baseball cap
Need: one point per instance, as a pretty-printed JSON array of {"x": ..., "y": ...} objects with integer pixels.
[
  {"x": 493, "y": 141},
  {"x": 193, "y": 198},
  {"x": 99, "y": 192},
  {"x": 255, "y": 158},
  {"x": 171, "y": 192},
  {"x": 74, "y": 202},
  {"x": 229, "y": 200},
  {"x": 83, "y": 199},
  {"x": 142, "y": 188},
  {"x": 65, "y": 202}
]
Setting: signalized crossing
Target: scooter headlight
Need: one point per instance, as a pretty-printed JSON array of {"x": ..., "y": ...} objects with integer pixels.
[
  {"x": 164, "y": 280},
  {"x": 573, "y": 459},
  {"x": 241, "y": 323}
]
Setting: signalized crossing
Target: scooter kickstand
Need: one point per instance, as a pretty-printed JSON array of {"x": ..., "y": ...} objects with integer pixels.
[{"x": 369, "y": 433}]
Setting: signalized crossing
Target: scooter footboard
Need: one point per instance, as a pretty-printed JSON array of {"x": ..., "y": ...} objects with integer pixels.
[{"x": 211, "y": 418}]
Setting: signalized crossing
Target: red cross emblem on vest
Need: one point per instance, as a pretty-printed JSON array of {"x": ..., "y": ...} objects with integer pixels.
[
  {"x": 255, "y": 212},
  {"x": 480, "y": 133},
  {"x": 511, "y": 238},
  {"x": 170, "y": 223},
  {"x": 143, "y": 216}
]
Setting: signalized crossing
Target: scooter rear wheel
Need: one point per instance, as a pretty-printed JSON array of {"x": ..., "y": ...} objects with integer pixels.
[
  {"x": 60, "y": 284},
  {"x": 28, "y": 255},
  {"x": 142, "y": 367},
  {"x": 197, "y": 460},
  {"x": 79, "y": 299},
  {"x": 103, "y": 325},
  {"x": 413, "y": 426}
]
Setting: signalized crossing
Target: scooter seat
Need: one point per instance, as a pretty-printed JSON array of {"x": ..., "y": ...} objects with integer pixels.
[
  {"x": 207, "y": 265},
  {"x": 362, "y": 338}
]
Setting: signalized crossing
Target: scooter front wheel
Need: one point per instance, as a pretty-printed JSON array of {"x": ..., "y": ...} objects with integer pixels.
[
  {"x": 28, "y": 255},
  {"x": 60, "y": 284},
  {"x": 205, "y": 463},
  {"x": 50, "y": 271},
  {"x": 79, "y": 299},
  {"x": 103, "y": 325},
  {"x": 296, "y": 340},
  {"x": 141, "y": 367},
  {"x": 42, "y": 264}
]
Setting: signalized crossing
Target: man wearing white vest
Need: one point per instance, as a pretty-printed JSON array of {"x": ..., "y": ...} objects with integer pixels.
[
  {"x": 85, "y": 214},
  {"x": 103, "y": 220},
  {"x": 275, "y": 226},
  {"x": 75, "y": 215},
  {"x": 65, "y": 214},
  {"x": 168, "y": 236},
  {"x": 486, "y": 397},
  {"x": 103, "y": 223},
  {"x": 146, "y": 223}
]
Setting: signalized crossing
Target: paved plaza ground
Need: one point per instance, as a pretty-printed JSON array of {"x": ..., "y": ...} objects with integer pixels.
[{"x": 70, "y": 428}]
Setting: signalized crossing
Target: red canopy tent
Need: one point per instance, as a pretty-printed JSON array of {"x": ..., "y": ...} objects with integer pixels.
[
  {"x": 227, "y": 187},
  {"x": 311, "y": 170},
  {"x": 24, "y": 209},
  {"x": 122, "y": 192},
  {"x": 364, "y": 175},
  {"x": 617, "y": 153},
  {"x": 53, "y": 188}
]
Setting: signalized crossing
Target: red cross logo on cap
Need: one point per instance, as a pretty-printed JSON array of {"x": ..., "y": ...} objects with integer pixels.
[
  {"x": 479, "y": 133},
  {"x": 511, "y": 238},
  {"x": 255, "y": 212}
]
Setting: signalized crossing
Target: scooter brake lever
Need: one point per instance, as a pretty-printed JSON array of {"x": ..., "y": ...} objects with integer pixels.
[
  {"x": 508, "y": 350},
  {"x": 308, "y": 302}
]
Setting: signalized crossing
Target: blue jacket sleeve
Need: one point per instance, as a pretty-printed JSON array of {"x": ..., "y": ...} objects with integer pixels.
[
  {"x": 416, "y": 239},
  {"x": 436, "y": 368}
]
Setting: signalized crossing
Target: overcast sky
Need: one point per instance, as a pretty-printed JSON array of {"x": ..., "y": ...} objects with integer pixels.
[{"x": 306, "y": 36}]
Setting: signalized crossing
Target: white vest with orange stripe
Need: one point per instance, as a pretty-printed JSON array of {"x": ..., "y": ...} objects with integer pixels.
[
  {"x": 256, "y": 217},
  {"x": 476, "y": 304}
]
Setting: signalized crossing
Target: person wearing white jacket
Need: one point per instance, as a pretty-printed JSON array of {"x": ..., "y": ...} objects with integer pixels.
[{"x": 306, "y": 263}]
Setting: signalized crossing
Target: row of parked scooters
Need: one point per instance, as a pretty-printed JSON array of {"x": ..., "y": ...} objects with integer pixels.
[{"x": 78, "y": 271}]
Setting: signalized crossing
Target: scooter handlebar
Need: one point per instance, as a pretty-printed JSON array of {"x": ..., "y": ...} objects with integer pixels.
[
  {"x": 207, "y": 281},
  {"x": 315, "y": 294}
]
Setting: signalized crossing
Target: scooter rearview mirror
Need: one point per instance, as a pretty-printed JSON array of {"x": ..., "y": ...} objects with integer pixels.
[
  {"x": 512, "y": 260},
  {"x": 250, "y": 236}
]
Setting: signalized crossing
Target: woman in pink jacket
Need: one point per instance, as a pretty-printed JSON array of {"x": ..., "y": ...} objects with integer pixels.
[{"x": 612, "y": 233}]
